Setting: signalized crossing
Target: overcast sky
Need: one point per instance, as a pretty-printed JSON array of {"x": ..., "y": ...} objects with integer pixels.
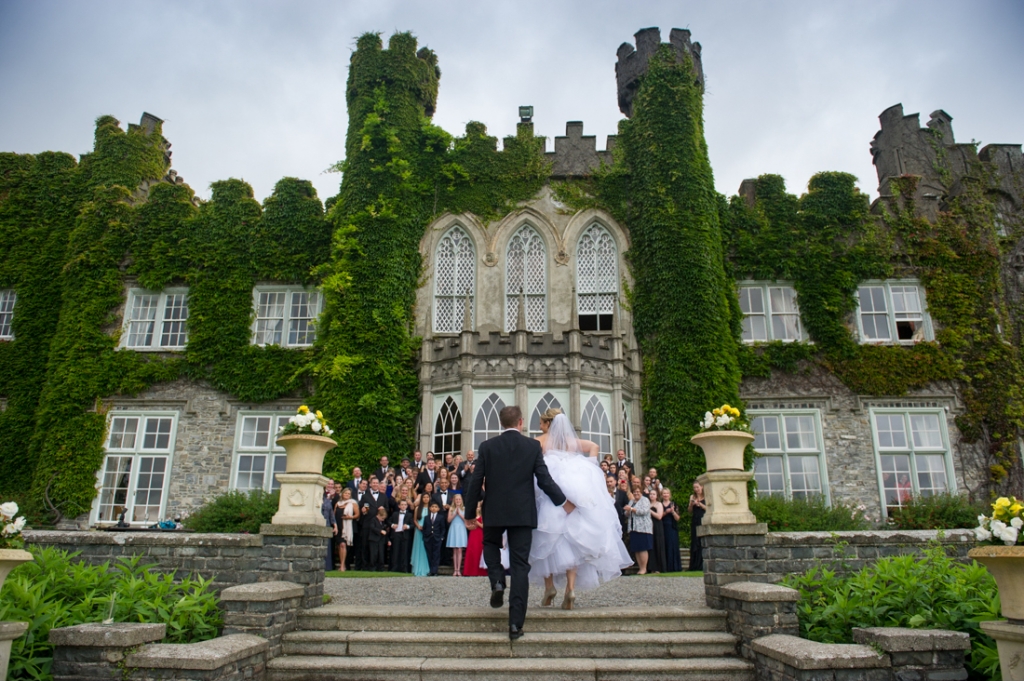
[{"x": 256, "y": 89}]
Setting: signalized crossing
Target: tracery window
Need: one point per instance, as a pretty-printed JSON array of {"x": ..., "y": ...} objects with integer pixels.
[
  {"x": 595, "y": 426},
  {"x": 487, "y": 424},
  {"x": 448, "y": 429},
  {"x": 597, "y": 284},
  {"x": 548, "y": 401},
  {"x": 526, "y": 273},
  {"x": 454, "y": 280}
]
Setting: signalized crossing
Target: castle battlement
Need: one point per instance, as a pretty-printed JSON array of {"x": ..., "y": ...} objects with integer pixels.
[
  {"x": 576, "y": 154},
  {"x": 632, "y": 64}
]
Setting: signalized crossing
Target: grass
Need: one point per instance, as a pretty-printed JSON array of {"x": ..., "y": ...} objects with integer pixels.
[{"x": 363, "y": 574}]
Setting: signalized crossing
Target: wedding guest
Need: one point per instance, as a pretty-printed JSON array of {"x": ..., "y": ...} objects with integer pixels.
[
  {"x": 457, "y": 537},
  {"x": 449, "y": 462},
  {"x": 467, "y": 469},
  {"x": 621, "y": 501},
  {"x": 648, "y": 486},
  {"x": 443, "y": 495},
  {"x": 378, "y": 539},
  {"x": 670, "y": 530},
  {"x": 383, "y": 472},
  {"x": 357, "y": 479},
  {"x": 455, "y": 483},
  {"x": 402, "y": 529},
  {"x": 345, "y": 513},
  {"x": 604, "y": 468},
  {"x": 697, "y": 508},
  {"x": 640, "y": 532},
  {"x": 419, "y": 562},
  {"x": 417, "y": 460},
  {"x": 622, "y": 462},
  {"x": 434, "y": 526},
  {"x": 475, "y": 546},
  {"x": 427, "y": 475},
  {"x": 327, "y": 511},
  {"x": 359, "y": 550},
  {"x": 656, "y": 560}
]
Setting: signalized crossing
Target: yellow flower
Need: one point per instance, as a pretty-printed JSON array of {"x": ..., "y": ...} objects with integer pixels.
[
  {"x": 319, "y": 415},
  {"x": 1016, "y": 508},
  {"x": 735, "y": 411},
  {"x": 726, "y": 407},
  {"x": 716, "y": 412},
  {"x": 303, "y": 409},
  {"x": 1001, "y": 502}
]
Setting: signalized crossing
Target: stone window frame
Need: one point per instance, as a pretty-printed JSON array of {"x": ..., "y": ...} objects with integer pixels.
[
  {"x": 274, "y": 456},
  {"x": 784, "y": 452},
  {"x": 911, "y": 451},
  {"x": 612, "y": 292},
  {"x": 287, "y": 319},
  {"x": 8, "y": 299},
  {"x": 765, "y": 288},
  {"x": 155, "y": 344},
  {"x": 458, "y": 300},
  {"x": 136, "y": 452},
  {"x": 510, "y": 296},
  {"x": 928, "y": 332}
]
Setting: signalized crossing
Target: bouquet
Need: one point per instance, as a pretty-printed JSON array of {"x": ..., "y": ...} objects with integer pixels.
[
  {"x": 306, "y": 422},
  {"x": 10, "y": 527},
  {"x": 724, "y": 418},
  {"x": 1005, "y": 523}
]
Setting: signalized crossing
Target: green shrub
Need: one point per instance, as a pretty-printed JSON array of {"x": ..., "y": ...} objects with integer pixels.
[
  {"x": 937, "y": 512},
  {"x": 922, "y": 592},
  {"x": 234, "y": 511},
  {"x": 56, "y": 591},
  {"x": 806, "y": 515}
]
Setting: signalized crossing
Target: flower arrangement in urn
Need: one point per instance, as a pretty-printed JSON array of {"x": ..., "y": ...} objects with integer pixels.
[
  {"x": 306, "y": 422},
  {"x": 1004, "y": 525},
  {"x": 724, "y": 418},
  {"x": 10, "y": 526}
]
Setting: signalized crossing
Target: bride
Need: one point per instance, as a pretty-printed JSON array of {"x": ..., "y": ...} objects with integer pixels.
[{"x": 584, "y": 548}]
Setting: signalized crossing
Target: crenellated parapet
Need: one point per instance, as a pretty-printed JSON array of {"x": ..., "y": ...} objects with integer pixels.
[
  {"x": 576, "y": 154},
  {"x": 632, "y": 63}
]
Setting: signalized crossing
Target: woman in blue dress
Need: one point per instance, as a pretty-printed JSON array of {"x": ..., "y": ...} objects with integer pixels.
[
  {"x": 420, "y": 565},
  {"x": 457, "y": 535}
]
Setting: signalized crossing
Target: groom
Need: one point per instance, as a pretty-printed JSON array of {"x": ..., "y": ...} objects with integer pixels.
[{"x": 508, "y": 464}]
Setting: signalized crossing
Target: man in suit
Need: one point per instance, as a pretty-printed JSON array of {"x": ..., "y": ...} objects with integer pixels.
[
  {"x": 466, "y": 471},
  {"x": 508, "y": 464},
  {"x": 443, "y": 496},
  {"x": 382, "y": 472},
  {"x": 376, "y": 498},
  {"x": 434, "y": 526},
  {"x": 623, "y": 462},
  {"x": 401, "y": 537},
  {"x": 353, "y": 484},
  {"x": 417, "y": 460},
  {"x": 428, "y": 474},
  {"x": 359, "y": 537}
]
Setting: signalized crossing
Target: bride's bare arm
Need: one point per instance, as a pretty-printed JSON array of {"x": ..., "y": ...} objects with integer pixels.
[{"x": 589, "y": 448}]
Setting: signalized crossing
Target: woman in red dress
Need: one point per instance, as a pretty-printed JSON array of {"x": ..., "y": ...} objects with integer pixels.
[{"x": 475, "y": 547}]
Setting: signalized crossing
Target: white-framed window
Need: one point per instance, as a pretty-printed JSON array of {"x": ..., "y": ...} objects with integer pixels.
[
  {"x": 156, "y": 320},
  {"x": 547, "y": 401},
  {"x": 487, "y": 424},
  {"x": 454, "y": 280},
  {"x": 596, "y": 426},
  {"x": 285, "y": 316},
  {"x": 597, "y": 280},
  {"x": 257, "y": 457},
  {"x": 627, "y": 431},
  {"x": 893, "y": 311},
  {"x": 448, "y": 428},
  {"x": 8, "y": 297},
  {"x": 912, "y": 454},
  {"x": 526, "y": 274},
  {"x": 770, "y": 312},
  {"x": 136, "y": 467},
  {"x": 791, "y": 457}
]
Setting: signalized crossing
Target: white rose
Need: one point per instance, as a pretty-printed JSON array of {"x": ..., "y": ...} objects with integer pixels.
[
  {"x": 9, "y": 509},
  {"x": 315, "y": 426},
  {"x": 328, "y": 431},
  {"x": 8, "y": 530},
  {"x": 997, "y": 527},
  {"x": 982, "y": 534},
  {"x": 1016, "y": 524},
  {"x": 19, "y": 524},
  {"x": 1009, "y": 536},
  {"x": 722, "y": 421},
  {"x": 982, "y": 521}
]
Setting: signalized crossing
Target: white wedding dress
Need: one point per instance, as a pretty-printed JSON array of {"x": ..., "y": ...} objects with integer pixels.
[{"x": 589, "y": 539}]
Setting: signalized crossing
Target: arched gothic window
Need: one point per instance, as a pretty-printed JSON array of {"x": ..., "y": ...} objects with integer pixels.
[
  {"x": 526, "y": 273},
  {"x": 549, "y": 401},
  {"x": 597, "y": 282},
  {"x": 627, "y": 433},
  {"x": 595, "y": 426},
  {"x": 487, "y": 424},
  {"x": 448, "y": 429},
  {"x": 454, "y": 280}
]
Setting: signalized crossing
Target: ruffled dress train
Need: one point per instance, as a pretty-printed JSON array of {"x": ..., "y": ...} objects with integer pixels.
[{"x": 589, "y": 539}]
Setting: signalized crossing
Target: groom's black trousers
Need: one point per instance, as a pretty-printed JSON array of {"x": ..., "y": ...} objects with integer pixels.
[{"x": 519, "y": 541}]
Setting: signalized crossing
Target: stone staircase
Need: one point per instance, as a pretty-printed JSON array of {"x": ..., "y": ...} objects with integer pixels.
[{"x": 357, "y": 643}]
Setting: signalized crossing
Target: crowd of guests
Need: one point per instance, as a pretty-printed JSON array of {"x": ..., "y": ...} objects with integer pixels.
[{"x": 412, "y": 518}]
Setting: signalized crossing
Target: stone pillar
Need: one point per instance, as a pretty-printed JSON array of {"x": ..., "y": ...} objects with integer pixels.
[
  {"x": 732, "y": 553},
  {"x": 726, "y": 494},
  {"x": 618, "y": 377},
  {"x": 1009, "y": 636},
  {"x": 8, "y": 632},
  {"x": 267, "y": 609},
  {"x": 90, "y": 652},
  {"x": 920, "y": 653},
  {"x": 466, "y": 355},
  {"x": 296, "y": 553},
  {"x": 467, "y": 416},
  {"x": 757, "y": 609},
  {"x": 301, "y": 497},
  {"x": 426, "y": 384}
]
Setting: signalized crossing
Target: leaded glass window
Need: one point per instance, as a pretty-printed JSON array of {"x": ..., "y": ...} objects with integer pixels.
[
  {"x": 448, "y": 429},
  {"x": 597, "y": 283},
  {"x": 627, "y": 433},
  {"x": 548, "y": 401},
  {"x": 454, "y": 281},
  {"x": 595, "y": 425},
  {"x": 487, "y": 424},
  {"x": 526, "y": 274}
]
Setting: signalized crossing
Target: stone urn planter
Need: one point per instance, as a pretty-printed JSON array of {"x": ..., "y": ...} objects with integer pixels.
[
  {"x": 723, "y": 449},
  {"x": 1006, "y": 563},
  {"x": 306, "y": 452},
  {"x": 10, "y": 559}
]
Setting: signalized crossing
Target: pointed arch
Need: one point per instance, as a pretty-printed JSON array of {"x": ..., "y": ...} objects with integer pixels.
[
  {"x": 627, "y": 432},
  {"x": 597, "y": 278},
  {"x": 595, "y": 425},
  {"x": 487, "y": 424},
  {"x": 547, "y": 401},
  {"x": 448, "y": 429},
  {"x": 526, "y": 274},
  {"x": 454, "y": 280}
]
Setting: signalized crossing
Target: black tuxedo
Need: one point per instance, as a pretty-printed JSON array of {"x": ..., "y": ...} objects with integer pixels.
[
  {"x": 433, "y": 538},
  {"x": 509, "y": 463},
  {"x": 436, "y": 496},
  {"x": 418, "y": 465},
  {"x": 378, "y": 542},
  {"x": 381, "y": 474},
  {"x": 401, "y": 542},
  {"x": 368, "y": 506},
  {"x": 423, "y": 478},
  {"x": 354, "y": 486}
]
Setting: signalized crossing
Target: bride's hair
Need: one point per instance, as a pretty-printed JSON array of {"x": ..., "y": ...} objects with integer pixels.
[
  {"x": 549, "y": 415},
  {"x": 562, "y": 436}
]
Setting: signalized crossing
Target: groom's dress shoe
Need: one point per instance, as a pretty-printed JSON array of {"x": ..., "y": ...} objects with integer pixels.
[
  {"x": 514, "y": 632},
  {"x": 498, "y": 596}
]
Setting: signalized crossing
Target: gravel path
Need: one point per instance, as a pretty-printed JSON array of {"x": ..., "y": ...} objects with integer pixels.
[{"x": 474, "y": 592}]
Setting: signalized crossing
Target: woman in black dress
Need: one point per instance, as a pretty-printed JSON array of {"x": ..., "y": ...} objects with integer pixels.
[
  {"x": 697, "y": 508},
  {"x": 656, "y": 563},
  {"x": 670, "y": 525}
]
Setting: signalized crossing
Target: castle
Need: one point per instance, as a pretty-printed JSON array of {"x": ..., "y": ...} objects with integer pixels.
[{"x": 527, "y": 308}]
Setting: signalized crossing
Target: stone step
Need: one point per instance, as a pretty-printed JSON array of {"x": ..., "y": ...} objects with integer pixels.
[
  {"x": 489, "y": 645},
  {"x": 538, "y": 620},
  {"x": 310, "y": 668}
]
